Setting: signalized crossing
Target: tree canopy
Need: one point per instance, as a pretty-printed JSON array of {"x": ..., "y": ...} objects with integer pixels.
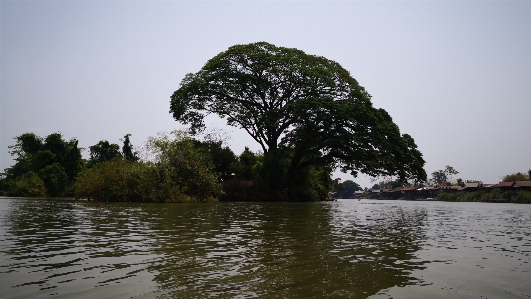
[
  {"x": 443, "y": 176},
  {"x": 305, "y": 106},
  {"x": 518, "y": 176},
  {"x": 349, "y": 187},
  {"x": 51, "y": 162}
]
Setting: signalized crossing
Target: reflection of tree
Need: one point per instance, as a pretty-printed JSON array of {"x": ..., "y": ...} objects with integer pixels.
[
  {"x": 273, "y": 250},
  {"x": 285, "y": 250}
]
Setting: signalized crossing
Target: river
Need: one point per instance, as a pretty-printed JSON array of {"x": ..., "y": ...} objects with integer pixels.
[{"x": 344, "y": 249}]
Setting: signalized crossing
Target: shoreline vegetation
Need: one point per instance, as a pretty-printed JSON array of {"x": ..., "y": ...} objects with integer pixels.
[
  {"x": 494, "y": 196},
  {"x": 177, "y": 168},
  {"x": 308, "y": 114}
]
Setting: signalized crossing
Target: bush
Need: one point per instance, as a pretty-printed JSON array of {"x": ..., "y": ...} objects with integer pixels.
[
  {"x": 523, "y": 197},
  {"x": 447, "y": 197},
  {"x": 108, "y": 181},
  {"x": 507, "y": 196},
  {"x": 28, "y": 185},
  {"x": 184, "y": 167},
  {"x": 178, "y": 172}
]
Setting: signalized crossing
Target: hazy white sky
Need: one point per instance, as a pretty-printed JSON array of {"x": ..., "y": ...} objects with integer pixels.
[{"x": 454, "y": 75}]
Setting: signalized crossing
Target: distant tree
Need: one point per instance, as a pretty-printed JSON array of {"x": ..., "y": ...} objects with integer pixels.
[
  {"x": 460, "y": 182},
  {"x": 518, "y": 176},
  {"x": 396, "y": 184},
  {"x": 442, "y": 176},
  {"x": 127, "y": 150},
  {"x": 349, "y": 187},
  {"x": 103, "y": 151},
  {"x": 376, "y": 187},
  {"x": 473, "y": 181},
  {"x": 390, "y": 183}
]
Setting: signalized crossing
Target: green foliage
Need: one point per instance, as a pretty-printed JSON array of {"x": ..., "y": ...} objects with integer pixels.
[
  {"x": 447, "y": 197},
  {"x": 477, "y": 196},
  {"x": 518, "y": 176},
  {"x": 523, "y": 197},
  {"x": 179, "y": 172},
  {"x": 118, "y": 180},
  {"x": 26, "y": 145},
  {"x": 305, "y": 111},
  {"x": 127, "y": 150},
  {"x": 250, "y": 164},
  {"x": 318, "y": 185},
  {"x": 28, "y": 185},
  {"x": 41, "y": 159},
  {"x": 184, "y": 165},
  {"x": 349, "y": 187},
  {"x": 54, "y": 178},
  {"x": 460, "y": 182},
  {"x": 246, "y": 185},
  {"x": 103, "y": 151},
  {"x": 390, "y": 184},
  {"x": 442, "y": 176},
  {"x": 56, "y": 161},
  {"x": 222, "y": 157}
]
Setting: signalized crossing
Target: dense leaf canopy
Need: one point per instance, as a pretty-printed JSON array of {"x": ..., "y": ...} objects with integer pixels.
[{"x": 306, "y": 105}]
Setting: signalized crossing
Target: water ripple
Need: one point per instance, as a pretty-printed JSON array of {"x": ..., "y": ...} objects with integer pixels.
[{"x": 345, "y": 249}]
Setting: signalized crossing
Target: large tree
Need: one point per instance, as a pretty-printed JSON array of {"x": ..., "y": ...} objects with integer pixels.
[{"x": 304, "y": 110}]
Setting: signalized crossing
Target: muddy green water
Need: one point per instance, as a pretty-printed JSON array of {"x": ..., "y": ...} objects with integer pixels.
[{"x": 344, "y": 249}]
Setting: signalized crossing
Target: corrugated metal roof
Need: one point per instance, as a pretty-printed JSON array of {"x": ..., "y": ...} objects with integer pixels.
[
  {"x": 523, "y": 183},
  {"x": 471, "y": 185},
  {"x": 504, "y": 184}
]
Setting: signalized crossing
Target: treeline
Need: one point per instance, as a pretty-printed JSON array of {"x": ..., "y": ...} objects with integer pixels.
[
  {"x": 487, "y": 196},
  {"x": 173, "y": 168}
]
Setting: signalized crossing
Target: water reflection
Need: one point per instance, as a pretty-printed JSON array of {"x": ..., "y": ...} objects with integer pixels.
[
  {"x": 280, "y": 250},
  {"x": 229, "y": 250}
]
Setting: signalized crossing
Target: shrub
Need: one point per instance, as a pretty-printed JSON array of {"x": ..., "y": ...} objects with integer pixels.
[
  {"x": 507, "y": 196},
  {"x": 178, "y": 172},
  {"x": 28, "y": 185},
  {"x": 447, "y": 197},
  {"x": 523, "y": 197}
]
